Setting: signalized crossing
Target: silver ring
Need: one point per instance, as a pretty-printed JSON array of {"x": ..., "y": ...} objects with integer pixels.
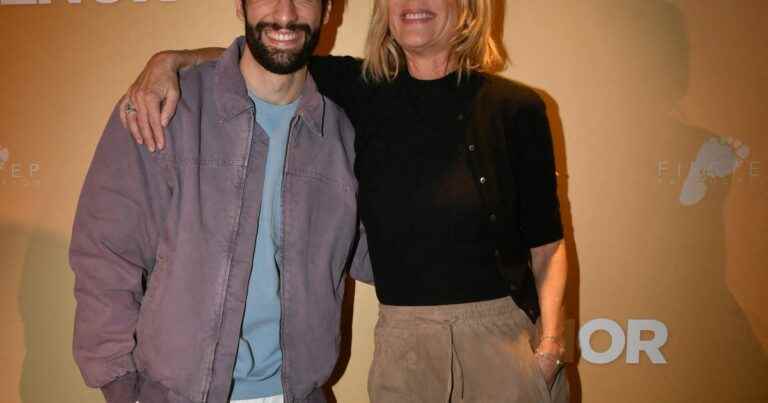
[{"x": 129, "y": 108}]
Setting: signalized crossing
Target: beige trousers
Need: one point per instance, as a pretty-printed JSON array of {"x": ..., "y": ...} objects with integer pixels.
[{"x": 479, "y": 352}]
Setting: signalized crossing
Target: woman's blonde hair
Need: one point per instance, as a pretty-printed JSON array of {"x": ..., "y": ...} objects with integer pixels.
[{"x": 473, "y": 47}]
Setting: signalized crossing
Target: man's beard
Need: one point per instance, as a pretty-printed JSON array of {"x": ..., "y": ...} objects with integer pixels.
[{"x": 276, "y": 60}]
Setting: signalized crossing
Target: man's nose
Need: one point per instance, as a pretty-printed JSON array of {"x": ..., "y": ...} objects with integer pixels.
[{"x": 285, "y": 12}]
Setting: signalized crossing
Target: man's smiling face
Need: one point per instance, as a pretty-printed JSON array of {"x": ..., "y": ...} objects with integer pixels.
[{"x": 282, "y": 34}]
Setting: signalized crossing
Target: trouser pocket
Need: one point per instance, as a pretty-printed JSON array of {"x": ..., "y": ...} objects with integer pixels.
[{"x": 409, "y": 366}]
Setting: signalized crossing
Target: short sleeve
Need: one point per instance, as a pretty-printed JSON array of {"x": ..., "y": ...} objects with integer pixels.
[{"x": 539, "y": 208}]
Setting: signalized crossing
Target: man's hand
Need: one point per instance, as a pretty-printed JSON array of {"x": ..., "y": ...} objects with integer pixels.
[{"x": 157, "y": 86}]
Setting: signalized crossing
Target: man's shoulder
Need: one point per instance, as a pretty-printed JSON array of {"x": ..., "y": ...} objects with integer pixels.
[
  {"x": 336, "y": 114},
  {"x": 196, "y": 112},
  {"x": 197, "y": 75}
]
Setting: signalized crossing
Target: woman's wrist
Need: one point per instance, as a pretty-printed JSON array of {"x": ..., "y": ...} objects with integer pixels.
[
  {"x": 551, "y": 344},
  {"x": 175, "y": 60},
  {"x": 551, "y": 350}
]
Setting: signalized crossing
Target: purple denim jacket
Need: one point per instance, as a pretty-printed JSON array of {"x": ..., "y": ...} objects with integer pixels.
[{"x": 163, "y": 242}]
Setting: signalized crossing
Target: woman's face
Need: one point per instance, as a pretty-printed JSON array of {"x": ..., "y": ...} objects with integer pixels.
[{"x": 423, "y": 26}]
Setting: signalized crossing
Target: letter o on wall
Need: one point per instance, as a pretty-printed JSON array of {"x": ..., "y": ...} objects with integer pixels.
[{"x": 618, "y": 340}]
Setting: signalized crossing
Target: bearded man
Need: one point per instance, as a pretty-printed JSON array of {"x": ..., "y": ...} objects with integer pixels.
[{"x": 213, "y": 270}]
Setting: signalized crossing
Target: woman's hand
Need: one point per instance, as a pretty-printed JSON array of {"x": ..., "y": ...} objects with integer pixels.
[
  {"x": 158, "y": 87},
  {"x": 550, "y": 268},
  {"x": 549, "y": 356}
]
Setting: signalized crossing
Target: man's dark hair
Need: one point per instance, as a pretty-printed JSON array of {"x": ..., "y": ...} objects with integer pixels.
[{"x": 323, "y": 3}]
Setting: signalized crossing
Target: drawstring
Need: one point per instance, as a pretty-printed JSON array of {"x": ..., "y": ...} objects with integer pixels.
[{"x": 454, "y": 356}]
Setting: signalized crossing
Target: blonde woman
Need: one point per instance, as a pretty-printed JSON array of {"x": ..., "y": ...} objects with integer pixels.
[{"x": 458, "y": 195}]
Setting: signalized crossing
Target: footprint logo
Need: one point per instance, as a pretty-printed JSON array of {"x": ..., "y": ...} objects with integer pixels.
[
  {"x": 4, "y": 156},
  {"x": 718, "y": 157}
]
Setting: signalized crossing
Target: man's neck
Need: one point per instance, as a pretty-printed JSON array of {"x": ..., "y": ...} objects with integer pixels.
[{"x": 278, "y": 89}]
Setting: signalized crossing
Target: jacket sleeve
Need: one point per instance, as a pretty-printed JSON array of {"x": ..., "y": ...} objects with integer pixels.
[
  {"x": 360, "y": 269},
  {"x": 114, "y": 238}
]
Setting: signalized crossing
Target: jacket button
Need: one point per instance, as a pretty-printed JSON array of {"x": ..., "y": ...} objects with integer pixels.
[
  {"x": 483, "y": 180},
  {"x": 492, "y": 217},
  {"x": 460, "y": 117},
  {"x": 472, "y": 147}
]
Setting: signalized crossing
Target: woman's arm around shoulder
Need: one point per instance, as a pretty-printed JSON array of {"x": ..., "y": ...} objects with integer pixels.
[{"x": 151, "y": 100}]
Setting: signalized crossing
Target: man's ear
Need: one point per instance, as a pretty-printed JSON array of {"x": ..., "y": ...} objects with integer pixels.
[
  {"x": 239, "y": 10},
  {"x": 328, "y": 8}
]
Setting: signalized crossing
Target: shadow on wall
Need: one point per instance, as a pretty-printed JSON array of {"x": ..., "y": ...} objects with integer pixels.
[
  {"x": 331, "y": 28},
  {"x": 497, "y": 28},
  {"x": 572, "y": 287},
  {"x": 324, "y": 47},
  {"x": 47, "y": 309},
  {"x": 666, "y": 181},
  {"x": 345, "y": 349},
  {"x": 558, "y": 138}
]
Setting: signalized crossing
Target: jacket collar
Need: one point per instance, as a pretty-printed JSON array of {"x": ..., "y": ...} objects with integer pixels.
[{"x": 232, "y": 94}]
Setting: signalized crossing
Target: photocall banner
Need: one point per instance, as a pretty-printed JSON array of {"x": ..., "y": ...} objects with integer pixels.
[{"x": 658, "y": 110}]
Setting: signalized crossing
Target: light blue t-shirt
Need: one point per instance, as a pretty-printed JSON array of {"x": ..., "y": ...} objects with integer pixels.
[{"x": 259, "y": 358}]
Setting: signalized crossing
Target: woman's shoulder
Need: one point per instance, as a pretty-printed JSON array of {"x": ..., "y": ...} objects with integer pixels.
[
  {"x": 497, "y": 88},
  {"x": 339, "y": 78},
  {"x": 336, "y": 64}
]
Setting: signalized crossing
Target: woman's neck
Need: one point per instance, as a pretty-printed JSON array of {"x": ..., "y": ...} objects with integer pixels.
[{"x": 429, "y": 67}]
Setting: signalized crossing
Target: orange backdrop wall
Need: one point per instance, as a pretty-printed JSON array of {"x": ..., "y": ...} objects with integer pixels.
[{"x": 659, "y": 110}]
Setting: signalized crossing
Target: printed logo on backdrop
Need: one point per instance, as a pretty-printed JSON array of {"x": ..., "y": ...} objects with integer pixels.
[
  {"x": 42, "y": 2},
  {"x": 719, "y": 161},
  {"x": 14, "y": 173},
  {"x": 642, "y": 336},
  {"x": 4, "y": 156}
]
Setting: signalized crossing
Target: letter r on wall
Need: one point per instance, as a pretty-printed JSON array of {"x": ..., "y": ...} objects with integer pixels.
[{"x": 651, "y": 347}]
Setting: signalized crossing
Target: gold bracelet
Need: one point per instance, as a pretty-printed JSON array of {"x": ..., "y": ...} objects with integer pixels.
[{"x": 554, "y": 339}]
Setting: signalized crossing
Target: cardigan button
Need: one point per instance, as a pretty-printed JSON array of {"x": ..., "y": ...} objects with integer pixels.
[
  {"x": 472, "y": 147},
  {"x": 483, "y": 180},
  {"x": 492, "y": 217},
  {"x": 460, "y": 117}
]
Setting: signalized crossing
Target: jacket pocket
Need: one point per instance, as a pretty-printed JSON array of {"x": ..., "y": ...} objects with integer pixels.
[
  {"x": 154, "y": 279},
  {"x": 153, "y": 287}
]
